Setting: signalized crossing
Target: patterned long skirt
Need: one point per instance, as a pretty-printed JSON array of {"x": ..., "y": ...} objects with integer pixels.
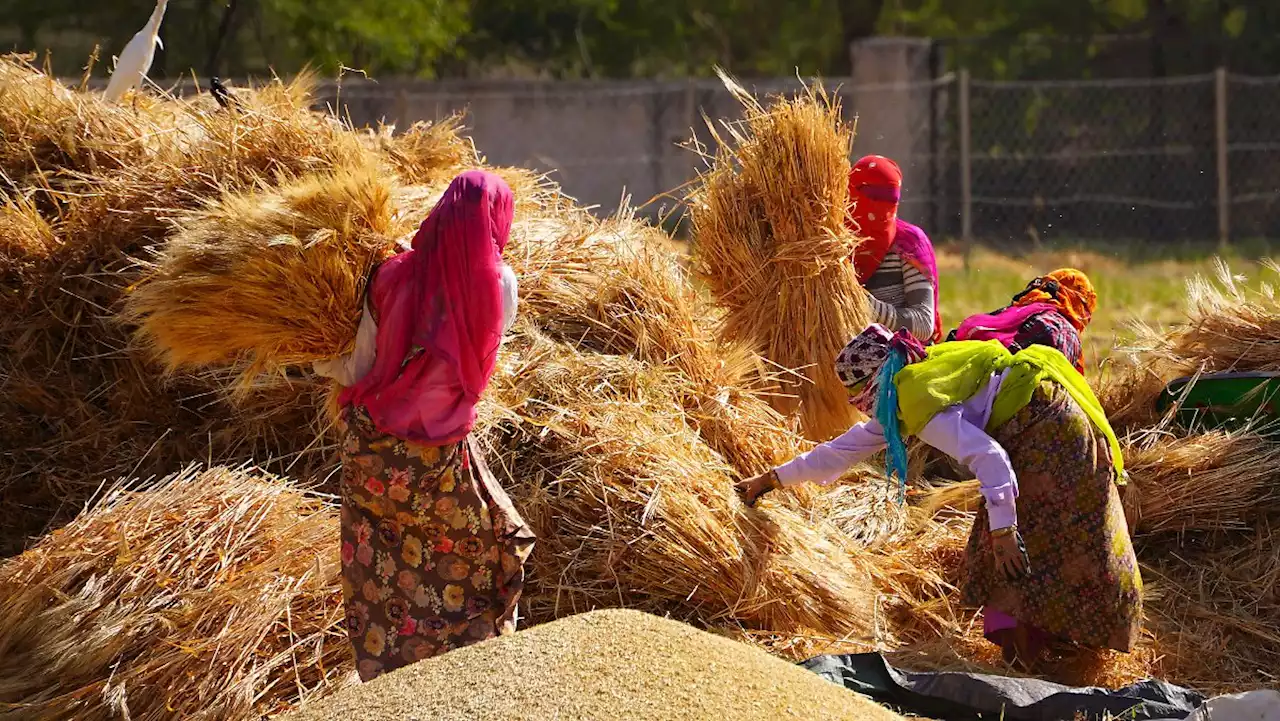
[
  {"x": 1084, "y": 585},
  {"x": 433, "y": 551}
]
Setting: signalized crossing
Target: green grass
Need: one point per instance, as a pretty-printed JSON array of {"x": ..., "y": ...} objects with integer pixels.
[
  {"x": 1130, "y": 285},
  {"x": 1134, "y": 281}
]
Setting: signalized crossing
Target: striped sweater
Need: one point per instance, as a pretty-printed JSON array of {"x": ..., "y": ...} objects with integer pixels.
[{"x": 902, "y": 297}]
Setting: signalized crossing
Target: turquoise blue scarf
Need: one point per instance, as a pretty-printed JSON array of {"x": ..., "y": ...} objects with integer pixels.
[{"x": 895, "y": 456}]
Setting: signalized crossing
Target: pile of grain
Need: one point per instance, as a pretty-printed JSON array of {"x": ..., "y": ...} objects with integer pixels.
[{"x": 604, "y": 665}]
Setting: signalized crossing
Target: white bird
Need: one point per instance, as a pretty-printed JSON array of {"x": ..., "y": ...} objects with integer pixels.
[{"x": 135, "y": 61}]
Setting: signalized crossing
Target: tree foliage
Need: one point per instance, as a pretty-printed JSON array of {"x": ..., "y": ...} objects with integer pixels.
[{"x": 628, "y": 38}]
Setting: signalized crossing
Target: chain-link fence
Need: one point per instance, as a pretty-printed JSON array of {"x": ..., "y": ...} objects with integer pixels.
[
  {"x": 1119, "y": 159},
  {"x": 1126, "y": 160},
  {"x": 1136, "y": 160},
  {"x": 603, "y": 138}
]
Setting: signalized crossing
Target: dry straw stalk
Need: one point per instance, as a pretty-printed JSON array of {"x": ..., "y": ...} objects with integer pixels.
[
  {"x": 772, "y": 245},
  {"x": 208, "y": 596},
  {"x": 274, "y": 277}
]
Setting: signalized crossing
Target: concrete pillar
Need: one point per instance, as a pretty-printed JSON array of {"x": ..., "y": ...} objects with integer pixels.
[{"x": 891, "y": 89}]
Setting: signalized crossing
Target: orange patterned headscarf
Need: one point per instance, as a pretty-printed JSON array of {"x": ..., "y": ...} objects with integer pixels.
[{"x": 1069, "y": 290}]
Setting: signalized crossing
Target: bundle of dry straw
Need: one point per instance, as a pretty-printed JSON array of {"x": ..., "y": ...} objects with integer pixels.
[
  {"x": 1228, "y": 327},
  {"x": 209, "y": 596},
  {"x": 769, "y": 227},
  {"x": 1212, "y": 481},
  {"x": 274, "y": 278}
]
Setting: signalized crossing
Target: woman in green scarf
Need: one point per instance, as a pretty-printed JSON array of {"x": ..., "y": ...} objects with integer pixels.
[{"x": 1032, "y": 432}]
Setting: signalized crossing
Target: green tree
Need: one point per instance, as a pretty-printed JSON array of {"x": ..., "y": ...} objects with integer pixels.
[{"x": 383, "y": 37}]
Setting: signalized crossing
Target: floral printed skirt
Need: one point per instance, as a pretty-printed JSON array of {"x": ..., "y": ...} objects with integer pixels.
[
  {"x": 433, "y": 551},
  {"x": 1084, "y": 584}
]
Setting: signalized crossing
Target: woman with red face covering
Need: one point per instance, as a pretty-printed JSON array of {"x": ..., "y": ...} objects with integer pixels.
[
  {"x": 895, "y": 262},
  {"x": 432, "y": 549}
]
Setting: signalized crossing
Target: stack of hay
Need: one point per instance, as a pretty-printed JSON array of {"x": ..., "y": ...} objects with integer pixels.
[
  {"x": 88, "y": 187},
  {"x": 771, "y": 242},
  {"x": 208, "y": 596},
  {"x": 617, "y": 419},
  {"x": 621, "y": 413}
]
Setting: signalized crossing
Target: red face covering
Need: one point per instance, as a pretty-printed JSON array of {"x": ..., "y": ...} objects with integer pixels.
[{"x": 875, "y": 186}]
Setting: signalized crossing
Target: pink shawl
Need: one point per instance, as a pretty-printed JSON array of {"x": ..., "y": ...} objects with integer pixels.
[
  {"x": 1002, "y": 325},
  {"x": 911, "y": 243},
  {"x": 443, "y": 296}
]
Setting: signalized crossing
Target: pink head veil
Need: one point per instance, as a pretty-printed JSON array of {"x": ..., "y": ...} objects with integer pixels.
[{"x": 444, "y": 296}]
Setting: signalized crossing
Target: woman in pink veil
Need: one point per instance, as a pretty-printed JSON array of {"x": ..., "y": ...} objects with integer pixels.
[{"x": 432, "y": 549}]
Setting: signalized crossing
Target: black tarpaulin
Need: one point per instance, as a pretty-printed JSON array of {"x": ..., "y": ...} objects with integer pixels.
[{"x": 959, "y": 696}]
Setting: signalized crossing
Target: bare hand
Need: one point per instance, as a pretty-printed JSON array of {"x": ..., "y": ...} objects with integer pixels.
[
  {"x": 1011, "y": 556},
  {"x": 752, "y": 488}
]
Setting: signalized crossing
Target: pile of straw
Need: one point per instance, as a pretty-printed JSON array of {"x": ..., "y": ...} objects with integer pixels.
[
  {"x": 211, "y": 595},
  {"x": 1217, "y": 610},
  {"x": 1212, "y": 481},
  {"x": 623, "y": 409},
  {"x": 612, "y": 401},
  {"x": 90, "y": 188},
  {"x": 617, "y": 418},
  {"x": 769, "y": 229},
  {"x": 614, "y": 288},
  {"x": 632, "y": 508}
]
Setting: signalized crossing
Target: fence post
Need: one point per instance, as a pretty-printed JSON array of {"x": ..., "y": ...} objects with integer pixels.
[
  {"x": 966, "y": 168},
  {"x": 1222, "y": 151}
]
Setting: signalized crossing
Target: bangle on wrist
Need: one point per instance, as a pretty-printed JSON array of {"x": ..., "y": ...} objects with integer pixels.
[{"x": 1006, "y": 531}]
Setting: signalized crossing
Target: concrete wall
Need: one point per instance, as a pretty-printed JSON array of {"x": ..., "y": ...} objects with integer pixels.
[
  {"x": 602, "y": 140},
  {"x": 605, "y": 139}
]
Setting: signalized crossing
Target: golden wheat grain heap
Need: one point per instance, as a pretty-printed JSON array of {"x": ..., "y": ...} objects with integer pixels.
[
  {"x": 618, "y": 665},
  {"x": 769, "y": 228}
]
